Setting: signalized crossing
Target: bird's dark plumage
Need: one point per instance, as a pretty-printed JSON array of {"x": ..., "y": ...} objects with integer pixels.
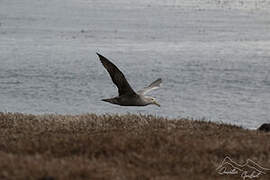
[{"x": 117, "y": 76}]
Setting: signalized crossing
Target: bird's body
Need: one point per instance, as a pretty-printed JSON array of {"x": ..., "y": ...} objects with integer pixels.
[
  {"x": 128, "y": 100},
  {"x": 127, "y": 96}
]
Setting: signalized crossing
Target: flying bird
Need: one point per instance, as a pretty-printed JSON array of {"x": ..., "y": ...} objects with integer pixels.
[{"x": 126, "y": 95}]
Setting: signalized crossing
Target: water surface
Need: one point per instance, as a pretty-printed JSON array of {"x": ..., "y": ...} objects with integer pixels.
[{"x": 213, "y": 57}]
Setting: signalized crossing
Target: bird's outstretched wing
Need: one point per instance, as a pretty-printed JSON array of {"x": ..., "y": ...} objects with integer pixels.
[
  {"x": 152, "y": 86},
  {"x": 117, "y": 76}
]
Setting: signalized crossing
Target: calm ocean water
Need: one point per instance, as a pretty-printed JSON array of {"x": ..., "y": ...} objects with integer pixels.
[{"x": 213, "y": 57}]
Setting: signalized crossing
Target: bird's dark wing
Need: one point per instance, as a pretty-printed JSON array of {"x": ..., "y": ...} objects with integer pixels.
[
  {"x": 152, "y": 86},
  {"x": 117, "y": 76}
]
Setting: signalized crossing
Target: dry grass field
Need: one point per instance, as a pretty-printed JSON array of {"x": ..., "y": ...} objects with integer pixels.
[{"x": 62, "y": 147}]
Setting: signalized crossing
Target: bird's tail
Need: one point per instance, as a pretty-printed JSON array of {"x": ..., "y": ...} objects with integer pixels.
[{"x": 112, "y": 100}]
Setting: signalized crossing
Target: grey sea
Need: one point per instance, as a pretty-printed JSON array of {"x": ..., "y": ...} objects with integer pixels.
[{"x": 213, "y": 57}]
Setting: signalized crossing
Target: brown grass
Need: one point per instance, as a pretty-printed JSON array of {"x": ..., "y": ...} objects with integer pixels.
[{"x": 50, "y": 147}]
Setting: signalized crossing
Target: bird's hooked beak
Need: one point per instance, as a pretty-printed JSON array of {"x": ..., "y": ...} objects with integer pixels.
[{"x": 156, "y": 103}]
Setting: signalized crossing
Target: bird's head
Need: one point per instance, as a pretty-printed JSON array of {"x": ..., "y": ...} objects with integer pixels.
[{"x": 152, "y": 100}]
